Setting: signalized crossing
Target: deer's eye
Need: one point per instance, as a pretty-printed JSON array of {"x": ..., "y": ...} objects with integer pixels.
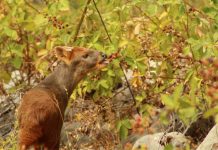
[{"x": 86, "y": 56}]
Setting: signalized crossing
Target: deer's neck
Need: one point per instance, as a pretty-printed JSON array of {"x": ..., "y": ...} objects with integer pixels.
[{"x": 63, "y": 81}]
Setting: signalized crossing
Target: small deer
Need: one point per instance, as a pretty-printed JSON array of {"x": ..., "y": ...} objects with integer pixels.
[{"x": 41, "y": 112}]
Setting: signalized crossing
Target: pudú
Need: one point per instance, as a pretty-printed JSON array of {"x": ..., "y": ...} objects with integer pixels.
[{"x": 40, "y": 114}]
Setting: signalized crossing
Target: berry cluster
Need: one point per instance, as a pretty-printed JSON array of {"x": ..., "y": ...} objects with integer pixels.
[
  {"x": 56, "y": 23},
  {"x": 138, "y": 126},
  {"x": 191, "y": 10},
  {"x": 210, "y": 61},
  {"x": 145, "y": 41},
  {"x": 179, "y": 43},
  {"x": 169, "y": 29},
  {"x": 113, "y": 56}
]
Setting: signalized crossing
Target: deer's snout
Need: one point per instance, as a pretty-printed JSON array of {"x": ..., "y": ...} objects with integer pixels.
[
  {"x": 103, "y": 59},
  {"x": 103, "y": 55}
]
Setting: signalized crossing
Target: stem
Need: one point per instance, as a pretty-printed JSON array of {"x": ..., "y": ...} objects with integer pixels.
[
  {"x": 102, "y": 21},
  {"x": 81, "y": 21},
  {"x": 28, "y": 4},
  {"x": 127, "y": 82}
]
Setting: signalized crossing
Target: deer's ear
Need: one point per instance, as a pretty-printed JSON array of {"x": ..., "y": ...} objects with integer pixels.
[{"x": 64, "y": 53}]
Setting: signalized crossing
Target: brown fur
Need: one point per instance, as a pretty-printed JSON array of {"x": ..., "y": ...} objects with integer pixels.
[{"x": 40, "y": 114}]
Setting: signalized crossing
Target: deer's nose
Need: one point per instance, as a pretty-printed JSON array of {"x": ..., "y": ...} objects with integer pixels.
[{"x": 103, "y": 55}]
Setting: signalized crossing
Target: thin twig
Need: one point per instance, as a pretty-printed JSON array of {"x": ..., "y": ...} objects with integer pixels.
[
  {"x": 28, "y": 4},
  {"x": 127, "y": 82},
  {"x": 108, "y": 99},
  {"x": 27, "y": 58},
  {"x": 81, "y": 21},
  {"x": 192, "y": 121},
  {"x": 102, "y": 21},
  {"x": 200, "y": 12},
  {"x": 202, "y": 89},
  {"x": 11, "y": 100},
  {"x": 187, "y": 22},
  {"x": 130, "y": 89},
  {"x": 147, "y": 16}
]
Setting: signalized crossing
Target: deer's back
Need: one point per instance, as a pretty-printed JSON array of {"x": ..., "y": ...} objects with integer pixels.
[{"x": 39, "y": 117}]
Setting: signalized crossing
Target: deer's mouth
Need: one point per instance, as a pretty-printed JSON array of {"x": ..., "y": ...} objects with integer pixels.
[{"x": 103, "y": 62}]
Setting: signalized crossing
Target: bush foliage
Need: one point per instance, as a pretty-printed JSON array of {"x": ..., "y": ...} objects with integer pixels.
[{"x": 170, "y": 45}]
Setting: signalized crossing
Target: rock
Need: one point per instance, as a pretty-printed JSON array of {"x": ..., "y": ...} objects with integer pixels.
[
  {"x": 8, "y": 105},
  {"x": 159, "y": 140},
  {"x": 199, "y": 129},
  {"x": 211, "y": 140},
  {"x": 122, "y": 103}
]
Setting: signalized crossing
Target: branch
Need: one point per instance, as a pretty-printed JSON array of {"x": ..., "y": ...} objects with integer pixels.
[
  {"x": 202, "y": 89},
  {"x": 128, "y": 84},
  {"x": 81, "y": 21},
  {"x": 200, "y": 12},
  {"x": 102, "y": 21},
  {"x": 31, "y": 6},
  {"x": 147, "y": 16}
]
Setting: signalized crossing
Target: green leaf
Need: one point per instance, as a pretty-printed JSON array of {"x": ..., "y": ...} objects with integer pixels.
[
  {"x": 104, "y": 84},
  {"x": 152, "y": 9},
  {"x": 188, "y": 75},
  {"x": 185, "y": 102},
  {"x": 130, "y": 61},
  {"x": 127, "y": 123},
  {"x": 111, "y": 73},
  {"x": 164, "y": 118},
  {"x": 17, "y": 49},
  {"x": 11, "y": 33},
  {"x": 63, "y": 5},
  {"x": 139, "y": 98},
  {"x": 141, "y": 66},
  {"x": 211, "y": 112},
  {"x": 42, "y": 67},
  {"x": 29, "y": 25},
  {"x": 215, "y": 1},
  {"x": 178, "y": 92},
  {"x": 123, "y": 43},
  {"x": 118, "y": 125},
  {"x": 4, "y": 76},
  {"x": 40, "y": 20},
  {"x": 194, "y": 86},
  {"x": 181, "y": 9},
  {"x": 17, "y": 61},
  {"x": 188, "y": 112},
  {"x": 79, "y": 90},
  {"x": 168, "y": 147},
  {"x": 123, "y": 132},
  {"x": 65, "y": 38},
  {"x": 53, "y": 8},
  {"x": 168, "y": 101},
  {"x": 210, "y": 11}
]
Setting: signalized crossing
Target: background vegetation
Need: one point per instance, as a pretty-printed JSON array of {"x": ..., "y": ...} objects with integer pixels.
[{"x": 171, "y": 46}]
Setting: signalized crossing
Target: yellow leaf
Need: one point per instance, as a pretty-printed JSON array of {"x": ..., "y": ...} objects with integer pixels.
[
  {"x": 164, "y": 14},
  {"x": 199, "y": 32},
  {"x": 78, "y": 116},
  {"x": 137, "y": 29},
  {"x": 123, "y": 43},
  {"x": 42, "y": 52}
]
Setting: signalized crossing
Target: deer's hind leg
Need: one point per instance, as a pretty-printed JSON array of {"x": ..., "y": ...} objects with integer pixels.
[
  {"x": 28, "y": 139},
  {"x": 22, "y": 147},
  {"x": 34, "y": 147}
]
